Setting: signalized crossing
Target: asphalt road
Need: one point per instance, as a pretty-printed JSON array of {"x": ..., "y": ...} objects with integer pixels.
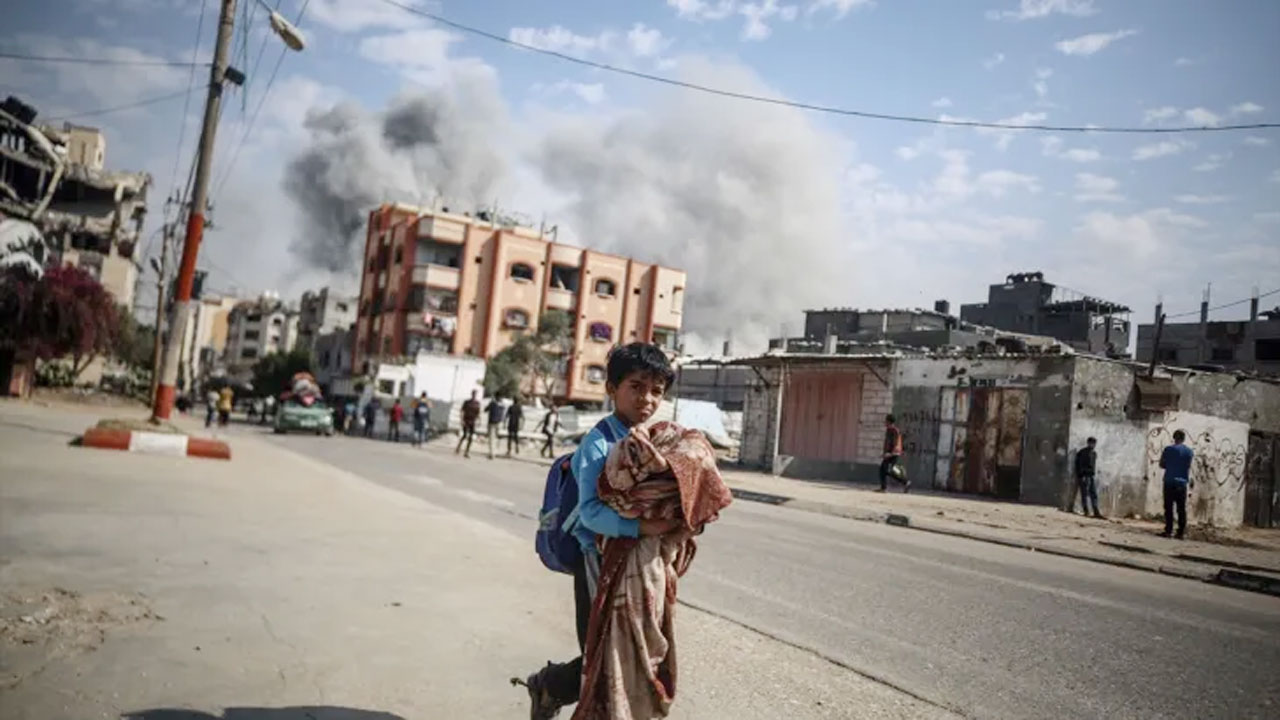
[{"x": 981, "y": 629}]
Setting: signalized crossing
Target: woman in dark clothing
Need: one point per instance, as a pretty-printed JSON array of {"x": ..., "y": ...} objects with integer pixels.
[{"x": 515, "y": 418}]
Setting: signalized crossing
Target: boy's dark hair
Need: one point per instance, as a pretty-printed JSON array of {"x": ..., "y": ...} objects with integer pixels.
[
  {"x": 1179, "y": 436},
  {"x": 890, "y": 418},
  {"x": 1092, "y": 440},
  {"x": 640, "y": 357}
]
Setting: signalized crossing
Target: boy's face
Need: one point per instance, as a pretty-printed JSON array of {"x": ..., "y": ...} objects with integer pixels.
[{"x": 637, "y": 397}]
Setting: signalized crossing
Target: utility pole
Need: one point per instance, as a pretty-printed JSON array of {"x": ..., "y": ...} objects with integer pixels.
[
  {"x": 162, "y": 274},
  {"x": 167, "y": 389}
]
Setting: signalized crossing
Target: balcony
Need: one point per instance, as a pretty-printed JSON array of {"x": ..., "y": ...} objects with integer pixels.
[
  {"x": 450, "y": 231},
  {"x": 437, "y": 276},
  {"x": 558, "y": 299}
]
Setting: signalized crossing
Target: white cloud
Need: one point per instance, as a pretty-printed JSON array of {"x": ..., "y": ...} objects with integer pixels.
[
  {"x": 353, "y": 16},
  {"x": 1184, "y": 62},
  {"x": 1082, "y": 155},
  {"x": 839, "y": 7},
  {"x": 1192, "y": 199},
  {"x": 1161, "y": 113},
  {"x": 942, "y": 102},
  {"x": 1160, "y": 149},
  {"x": 1041, "y": 84},
  {"x": 1089, "y": 44},
  {"x": 560, "y": 39},
  {"x": 644, "y": 41},
  {"x": 997, "y": 183},
  {"x": 1256, "y": 141},
  {"x": 1268, "y": 216},
  {"x": 1097, "y": 188},
  {"x": 1005, "y": 137},
  {"x": 1245, "y": 108},
  {"x": 589, "y": 93},
  {"x": 758, "y": 15},
  {"x": 993, "y": 61},
  {"x": 1137, "y": 237},
  {"x": 1202, "y": 117},
  {"x": 1212, "y": 162},
  {"x": 1033, "y": 9},
  {"x": 701, "y": 10}
]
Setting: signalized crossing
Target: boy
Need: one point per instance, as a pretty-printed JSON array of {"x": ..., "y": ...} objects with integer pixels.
[
  {"x": 470, "y": 413},
  {"x": 637, "y": 378},
  {"x": 515, "y": 422},
  {"x": 1086, "y": 477},
  {"x": 496, "y": 412},
  {"x": 1176, "y": 461},
  {"x": 892, "y": 453},
  {"x": 421, "y": 419},
  {"x": 393, "y": 424}
]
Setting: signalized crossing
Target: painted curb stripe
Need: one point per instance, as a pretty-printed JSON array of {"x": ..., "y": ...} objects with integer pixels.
[{"x": 158, "y": 443}]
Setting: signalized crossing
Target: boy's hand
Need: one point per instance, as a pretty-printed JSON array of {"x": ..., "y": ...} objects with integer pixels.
[{"x": 658, "y": 527}]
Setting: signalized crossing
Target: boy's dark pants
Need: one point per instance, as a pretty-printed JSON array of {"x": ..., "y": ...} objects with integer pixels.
[
  {"x": 564, "y": 680},
  {"x": 885, "y": 466}
]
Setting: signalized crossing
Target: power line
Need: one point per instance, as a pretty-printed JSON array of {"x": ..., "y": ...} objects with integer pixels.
[
  {"x": 866, "y": 114},
  {"x": 186, "y": 105},
  {"x": 103, "y": 111},
  {"x": 99, "y": 61},
  {"x": 262, "y": 100},
  {"x": 1222, "y": 307}
]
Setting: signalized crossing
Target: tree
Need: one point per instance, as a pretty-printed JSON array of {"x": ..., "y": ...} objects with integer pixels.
[
  {"x": 272, "y": 373},
  {"x": 134, "y": 342},
  {"x": 64, "y": 312},
  {"x": 531, "y": 365}
]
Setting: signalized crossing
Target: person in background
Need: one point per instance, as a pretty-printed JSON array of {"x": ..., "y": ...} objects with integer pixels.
[
  {"x": 421, "y": 419},
  {"x": 226, "y": 399},
  {"x": 268, "y": 408},
  {"x": 211, "y": 406},
  {"x": 393, "y": 422},
  {"x": 1086, "y": 477},
  {"x": 892, "y": 453},
  {"x": 496, "y": 412},
  {"x": 370, "y": 416},
  {"x": 348, "y": 416},
  {"x": 470, "y": 414},
  {"x": 515, "y": 421},
  {"x": 549, "y": 427},
  {"x": 1176, "y": 462}
]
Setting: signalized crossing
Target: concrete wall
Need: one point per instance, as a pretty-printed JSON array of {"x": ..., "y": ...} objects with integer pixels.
[
  {"x": 760, "y": 414},
  {"x": 1104, "y": 406}
]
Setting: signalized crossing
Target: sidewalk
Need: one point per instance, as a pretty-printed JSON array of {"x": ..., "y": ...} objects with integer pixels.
[
  {"x": 1250, "y": 552},
  {"x": 275, "y": 586}
]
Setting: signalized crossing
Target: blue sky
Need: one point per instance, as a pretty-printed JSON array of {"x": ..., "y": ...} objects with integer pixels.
[{"x": 771, "y": 211}]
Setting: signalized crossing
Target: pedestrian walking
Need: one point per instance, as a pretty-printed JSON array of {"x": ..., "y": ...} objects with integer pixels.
[
  {"x": 1086, "y": 477},
  {"x": 370, "y": 416},
  {"x": 421, "y": 420},
  {"x": 211, "y": 406},
  {"x": 394, "y": 417},
  {"x": 268, "y": 408},
  {"x": 470, "y": 414},
  {"x": 496, "y": 412},
  {"x": 892, "y": 454},
  {"x": 348, "y": 416},
  {"x": 637, "y": 378},
  {"x": 226, "y": 400},
  {"x": 515, "y": 422},
  {"x": 1176, "y": 461},
  {"x": 549, "y": 427}
]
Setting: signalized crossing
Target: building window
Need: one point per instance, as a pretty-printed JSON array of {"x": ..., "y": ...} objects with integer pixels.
[
  {"x": 600, "y": 332},
  {"x": 664, "y": 338},
  {"x": 565, "y": 277},
  {"x": 399, "y": 257},
  {"x": 677, "y": 300},
  {"x": 324, "y": 359},
  {"x": 522, "y": 272},
  {"x": 431, "y": 252},
  {"x": 248, "y": 353},
  {"x": 433, "y": 300},
  {"x": 277, "y": 321},
  {"x": 1266, "y": 349},
  {"x": 386, "y": 345},
  {"x": 251, "y": 334},
  {"x": 1220, "y": 354},
  {"x": 606, "y": 287},
  {"x": 387, "y": 387},
  {"x": 342, "y": 307},
  {"x": 515, "y": 319},
  {"x": 1168, "y": 356},
  {"x": 595, "y": 374}
]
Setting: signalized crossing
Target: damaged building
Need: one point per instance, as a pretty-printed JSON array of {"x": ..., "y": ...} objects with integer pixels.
[
  {"x": 54, "y": 178},
  {"x": 1007, "y": 425},
  {"x": 1026, "y": 303}
]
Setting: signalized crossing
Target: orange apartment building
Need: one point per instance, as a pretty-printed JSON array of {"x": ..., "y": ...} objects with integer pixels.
[{"x": 447, "y": 283}]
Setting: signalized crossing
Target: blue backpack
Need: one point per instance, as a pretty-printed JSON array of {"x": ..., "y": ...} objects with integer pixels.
[{"x": 557, "y": 547}]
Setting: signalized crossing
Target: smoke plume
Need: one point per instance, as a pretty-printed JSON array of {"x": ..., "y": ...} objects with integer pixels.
[
  {"x": 430, "y": 146},
  {"x": 743, "y": 197}
]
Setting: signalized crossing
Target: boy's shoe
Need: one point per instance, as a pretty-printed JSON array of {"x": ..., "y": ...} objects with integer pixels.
[{"x": 541, "y": 705}]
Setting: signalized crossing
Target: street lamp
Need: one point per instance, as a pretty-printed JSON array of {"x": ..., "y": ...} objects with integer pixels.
[{"x": 292, "y": 37}]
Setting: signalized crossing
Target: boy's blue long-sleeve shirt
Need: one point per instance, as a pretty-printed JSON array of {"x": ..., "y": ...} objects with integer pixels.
[{"x": 593, "y": 517}]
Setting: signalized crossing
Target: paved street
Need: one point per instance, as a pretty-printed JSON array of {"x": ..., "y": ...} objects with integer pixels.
[
  {"x": 314, "y": 574},
  {"x": 984, "y": 630}
]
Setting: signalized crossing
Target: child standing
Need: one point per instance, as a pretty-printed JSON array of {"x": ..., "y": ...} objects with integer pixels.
[{"x": 638, "y": 376}]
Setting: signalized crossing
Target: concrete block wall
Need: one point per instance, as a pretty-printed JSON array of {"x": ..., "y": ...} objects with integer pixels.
[
  {"x": 760, "y": 412},
  {"x": 877, "y": 401}
]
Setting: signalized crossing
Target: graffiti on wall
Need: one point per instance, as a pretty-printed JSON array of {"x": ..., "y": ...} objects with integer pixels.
[
  {"x": 919, "y": 429},
  {"x": 1218, "y": 459}
]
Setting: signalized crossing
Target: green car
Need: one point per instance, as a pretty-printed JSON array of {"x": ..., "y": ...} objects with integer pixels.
[{"x": 293, "y": 415}]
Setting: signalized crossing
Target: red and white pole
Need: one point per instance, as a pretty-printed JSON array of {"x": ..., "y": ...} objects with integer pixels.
[{"x": 195, "y": 219}]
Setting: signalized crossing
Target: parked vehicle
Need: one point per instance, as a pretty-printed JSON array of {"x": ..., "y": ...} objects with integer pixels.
[{"x": 293, "y": 416}]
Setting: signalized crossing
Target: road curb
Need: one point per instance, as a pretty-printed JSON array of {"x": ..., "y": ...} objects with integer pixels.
[
  {"x": 151, "y": 443},
  {"x": 1223, "y": 576}
]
